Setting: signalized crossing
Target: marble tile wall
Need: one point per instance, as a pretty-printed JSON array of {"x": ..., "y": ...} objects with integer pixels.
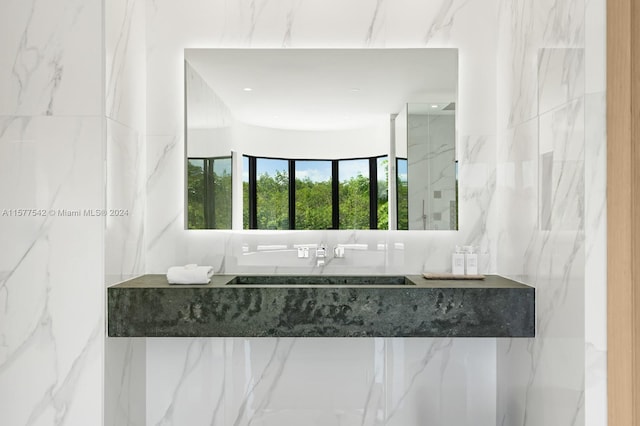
[
  {"x": 66, "y": 108},
  {"x": 51, "y": 259},
  {"x": 319, "y": 381},
  {"x": 125, "y": 106},
  {"x": 124, "y": 254},
  {"x": 551, "y": 177}
]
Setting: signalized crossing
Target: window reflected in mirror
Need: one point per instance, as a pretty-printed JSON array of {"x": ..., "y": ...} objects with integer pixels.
[
  {"x": 319, "y": 194},
  {"x": 353, "y": 193},
  {"x": 314, "y": 139},
  {"x": 382, "y": 191},
  {"x": 402, "y": 193},
  {"x": 272, "y": 194},
  {"x": 313, "y": 194},
  {"x": 209, "y": 188}
]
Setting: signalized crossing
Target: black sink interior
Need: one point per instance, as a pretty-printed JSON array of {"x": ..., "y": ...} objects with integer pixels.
[{"x": 320, "y": 280}]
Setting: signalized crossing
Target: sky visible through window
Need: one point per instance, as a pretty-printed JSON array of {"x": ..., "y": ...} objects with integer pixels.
[{"x": 316, "y": 170}]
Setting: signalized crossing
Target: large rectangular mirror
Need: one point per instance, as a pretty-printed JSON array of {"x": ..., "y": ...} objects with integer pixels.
[{"x": 321, "y": 139}]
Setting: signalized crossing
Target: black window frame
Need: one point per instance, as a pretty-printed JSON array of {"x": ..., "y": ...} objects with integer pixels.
[
  {"x": 335, "y": 187},
  {"x": 398, "y": 159},
  {"x": 210, "y": 219}
]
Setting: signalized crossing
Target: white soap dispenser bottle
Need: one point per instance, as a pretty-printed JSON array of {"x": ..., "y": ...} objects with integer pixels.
[
  {"x": 471, "y": 261},
  {"x": 457, "y": 262}
]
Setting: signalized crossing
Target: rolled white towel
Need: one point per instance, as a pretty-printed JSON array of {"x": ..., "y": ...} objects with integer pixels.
[{"x": 189, "y": 274}]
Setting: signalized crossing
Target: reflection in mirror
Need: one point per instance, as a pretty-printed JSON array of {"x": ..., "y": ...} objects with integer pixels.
[
  {"x": 320, "y": 138},
  {"x": 427, "y": 178},
  {"x": 209, "y": 189},
  {"x": 314, "y": 196}
]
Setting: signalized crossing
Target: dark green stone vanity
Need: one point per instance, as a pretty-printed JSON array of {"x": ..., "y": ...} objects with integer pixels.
[{"x": 321, "y": 306}]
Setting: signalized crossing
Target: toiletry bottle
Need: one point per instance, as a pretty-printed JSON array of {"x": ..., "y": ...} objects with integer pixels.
[
  {"x": 457, "y": 262},
  {"x": 471, "y": 261}
]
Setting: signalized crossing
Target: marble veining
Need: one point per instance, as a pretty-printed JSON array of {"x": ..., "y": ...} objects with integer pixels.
[
  {"x": 53, "y": 76},
  {"x": 437, "y": 347},
  {"x": 44, "y": 59},
  {"x": 268, "y": 380},
  {"x": 125, "y": 382},
  {"x": 560, "y": 179},
  {"x": 118, "y": 59},
  {"x": 258, "y": 378},
  {"x": 125, "y": 391}
]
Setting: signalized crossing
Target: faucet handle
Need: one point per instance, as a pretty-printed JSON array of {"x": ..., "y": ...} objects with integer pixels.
[
  {"x": 338, "y": 251},
  {"x": 321, "y": 251}
]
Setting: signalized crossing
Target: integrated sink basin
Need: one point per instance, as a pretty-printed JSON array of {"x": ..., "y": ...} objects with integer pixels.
[
  {"x": 321, "y": 280},
  {"x": 321, "y": 306}
]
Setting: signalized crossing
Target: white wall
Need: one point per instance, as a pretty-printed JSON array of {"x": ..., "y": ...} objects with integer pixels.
[
  {"x": 305, "y": 144},
  {"x": 209, "y": 121},
  {"x": 51, "y": 266},
  {"x": 551, "y": 63},
  {"x": 213, "y": 131},
  {"x": 125, "y": 76},
  {"x": 531, "y": 76}
]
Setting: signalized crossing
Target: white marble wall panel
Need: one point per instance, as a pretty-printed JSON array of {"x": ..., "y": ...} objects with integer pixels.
[
  {"x": 560, "y": 376},
  {"x": 125, "y": 107},
  {"x": 186, "y": 382},
  {"x": 165, "y": 203},
  {"x": 440, "y": 382},
  {"x": 51, "y": 292},
  {"x": 518, "y": 194},
  {"x": 50, "y": 63},
  {"x": 321, "y": 382},
  {"x": 561, "y": 187},
  {"x": 296, "y": 381},
  {"x": 477, "y": 187},
  {"x": 524, "y": 27},
  {"x": 125, "y": 62},
  {"x": 125, "y": 382},
  {"x": 124, "y": 88},
  {"x": 52, "y": 321},
  {"x": 126, "y": 189}
]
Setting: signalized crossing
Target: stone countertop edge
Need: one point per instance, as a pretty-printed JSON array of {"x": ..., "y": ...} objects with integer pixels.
[
  {"x": 148, "y": 306},
  {"x": 222, "y": 281}
]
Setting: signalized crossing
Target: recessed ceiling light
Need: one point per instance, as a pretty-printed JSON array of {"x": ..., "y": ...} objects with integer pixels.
[
  {"x": 434, "y": 106},
  {"x": 247, "y": 89},
  {"x": 354, "y": 89}
]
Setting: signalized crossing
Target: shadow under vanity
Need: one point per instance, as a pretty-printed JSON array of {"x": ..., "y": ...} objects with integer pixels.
[{"x": 321, "y": 306}]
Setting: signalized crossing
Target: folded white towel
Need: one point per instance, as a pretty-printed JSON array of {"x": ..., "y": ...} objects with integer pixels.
[{"x": 189, "y": 274}]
